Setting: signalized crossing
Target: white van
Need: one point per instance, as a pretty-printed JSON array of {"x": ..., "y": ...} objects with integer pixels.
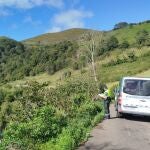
[{"x": 133, "y": 96}]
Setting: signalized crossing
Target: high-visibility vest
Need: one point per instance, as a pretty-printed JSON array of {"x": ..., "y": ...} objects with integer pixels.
[{"x": 107, "y": 93}]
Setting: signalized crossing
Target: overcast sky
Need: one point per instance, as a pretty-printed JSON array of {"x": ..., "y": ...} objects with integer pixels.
[{"x": 21, "y": 19}]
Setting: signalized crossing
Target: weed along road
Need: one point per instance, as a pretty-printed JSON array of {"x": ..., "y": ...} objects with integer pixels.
[{"x": 130, "y": 133}]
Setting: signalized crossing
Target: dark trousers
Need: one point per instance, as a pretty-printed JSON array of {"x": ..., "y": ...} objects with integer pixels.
[{"x": 106, "y": 108}]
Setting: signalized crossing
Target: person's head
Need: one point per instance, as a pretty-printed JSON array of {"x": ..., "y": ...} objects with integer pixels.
[
  {"x": 105, "y": 87},
  {"x": 102, "y": 87}
]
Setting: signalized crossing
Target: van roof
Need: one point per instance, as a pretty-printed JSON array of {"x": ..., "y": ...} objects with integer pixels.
[{"x": 144, "y": 78}]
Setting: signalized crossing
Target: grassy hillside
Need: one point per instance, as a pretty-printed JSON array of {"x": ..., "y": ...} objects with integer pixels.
[
  {"x": 51, "y": 38},
  {"x": 49, "y": 105},
  {"x": 103, "y": 73},
  {"x": 18, "y": 61},
  {"x": 129, "y": 33},
  {"x": 42, "y": 59},
  {"x": 3, "y": 37}
]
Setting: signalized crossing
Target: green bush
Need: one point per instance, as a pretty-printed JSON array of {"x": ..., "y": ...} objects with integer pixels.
[
  {"x": 67, "y": 74},
  {"x": 76, "y": 66},
  {"x": 108, "y": 44},
  {"x": 38, "y": 116},
  {"x": 142, "y": 38},
  {"x": 77, "y": 130},
  {"x": 2, "y": 96},
  {"x": 83, "y": 71},
  {"x": 46, "y": 124},
  {"x": 124, "y": 45},
  {"x": 131, "y": 57}
]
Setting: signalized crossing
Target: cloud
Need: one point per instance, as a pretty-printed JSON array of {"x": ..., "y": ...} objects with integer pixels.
[
  {"x": 54, "y": 29},
  {"x": 29, "y": 20},
  {"x": 27, "y": 4},
  {"x": 70, "y": 19},
  {"x": 4, "y": 13},
  {"x": 16, "y": 3},
  {"x": 13, "y": 26},
  {"x": 74, "y": 3},
  {"x": 54, "y": 3}
]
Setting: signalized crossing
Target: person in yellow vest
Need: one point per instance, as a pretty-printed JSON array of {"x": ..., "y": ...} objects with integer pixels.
[{"x": 106, "y": 97}]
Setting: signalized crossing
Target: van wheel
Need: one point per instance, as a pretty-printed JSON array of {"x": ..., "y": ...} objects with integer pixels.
[{"x": 119, "y": 115}]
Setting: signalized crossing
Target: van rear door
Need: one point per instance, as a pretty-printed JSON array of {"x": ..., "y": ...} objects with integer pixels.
[
  {"x": 144, "y": 105},
  {"x": 136, "y": 103},
  {"x": 136, "y": 95}
]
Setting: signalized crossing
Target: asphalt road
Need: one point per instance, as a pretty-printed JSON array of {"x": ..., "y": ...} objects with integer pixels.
[{"x": 130, "y": 133}]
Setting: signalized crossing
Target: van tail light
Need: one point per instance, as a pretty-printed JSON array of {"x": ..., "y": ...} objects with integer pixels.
[
  {"x": 120, "y": 99},
  {"x": 119, "y": 103}
]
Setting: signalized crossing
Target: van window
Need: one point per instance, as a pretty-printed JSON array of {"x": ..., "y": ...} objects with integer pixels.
[{"x": 137, "y": 87}]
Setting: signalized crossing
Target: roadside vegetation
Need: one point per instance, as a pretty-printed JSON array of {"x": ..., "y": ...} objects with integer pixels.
[
  {"x": 36, "y": 117},
  {"x": 47, "y": 88}
]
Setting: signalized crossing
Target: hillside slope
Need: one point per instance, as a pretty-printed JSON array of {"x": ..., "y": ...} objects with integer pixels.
[
  {"x": 53, "y": 52},
  {"x": 57, "y": 111},
  {"x": 51, "y": 38},
  {"x": 129, "y": 33}
]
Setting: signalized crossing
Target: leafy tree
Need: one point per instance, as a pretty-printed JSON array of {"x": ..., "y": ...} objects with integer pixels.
[
  {"x": 18, "y": 61},
  {"x": 142, "y": 38},
  {"x": 147, "y": 21},
  {"x": 120, "y": 25},
  {"x": 108, "y": 44},
  {"x": 112, "y": 43}
]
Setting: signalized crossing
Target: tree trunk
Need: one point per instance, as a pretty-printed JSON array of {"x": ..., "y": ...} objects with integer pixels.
[
  {"x": 93, "y": 67},
  {"x": 93, "y": 63}
]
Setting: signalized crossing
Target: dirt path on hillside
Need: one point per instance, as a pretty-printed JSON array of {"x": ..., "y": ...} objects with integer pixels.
[{"x": 131, "y": 133}]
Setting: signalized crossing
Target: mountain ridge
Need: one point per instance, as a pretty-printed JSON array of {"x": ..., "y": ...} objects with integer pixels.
[{"x": 50, "y": 38}]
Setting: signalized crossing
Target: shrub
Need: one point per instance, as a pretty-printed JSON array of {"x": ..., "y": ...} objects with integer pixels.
[
  {"x": 83, "y": 71},
  {"x": 108, "y": 44},
  {"x": 67, "y": 74},
  {"x": 2, "y": 96},
  {"x": 142, "y": 38},
  {"x": 38, "y": 115},
  {"x": 132, "y": 57},
  {"x": 124, "y": 45},
  {"x": 76, "y": 66},
  {"x": 77, "y": 130},
  {"x": 47, "y": 123}
]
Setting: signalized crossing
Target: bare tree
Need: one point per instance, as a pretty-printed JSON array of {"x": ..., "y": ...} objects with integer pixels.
[{"x": 90, "y": 42}]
